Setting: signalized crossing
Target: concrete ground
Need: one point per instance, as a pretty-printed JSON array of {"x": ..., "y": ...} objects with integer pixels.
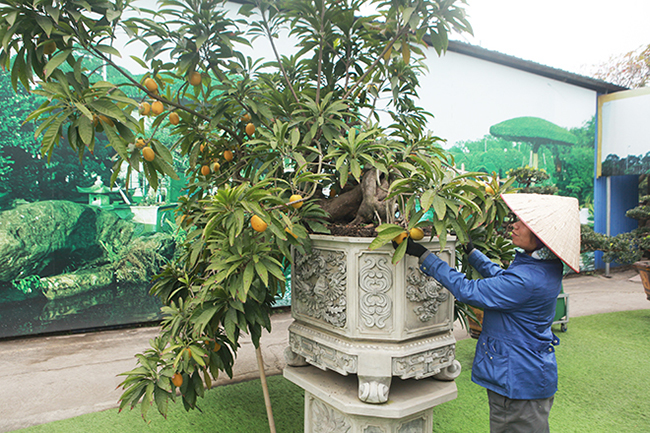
[{"x": 56, "y": 377}]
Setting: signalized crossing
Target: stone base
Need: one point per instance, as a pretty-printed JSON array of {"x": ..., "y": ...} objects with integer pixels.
[{"x": 332, "y": 405}]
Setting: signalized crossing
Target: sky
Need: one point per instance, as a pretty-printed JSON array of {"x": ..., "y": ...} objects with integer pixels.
[{"x": 571, "y": 35}]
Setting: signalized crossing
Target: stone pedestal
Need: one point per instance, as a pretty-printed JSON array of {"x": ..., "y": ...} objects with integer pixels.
[
  {"x": 332, "y": 405},
  {"x": 357, "y": 313}
]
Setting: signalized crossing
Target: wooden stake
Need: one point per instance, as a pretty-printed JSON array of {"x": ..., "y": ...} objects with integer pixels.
[{"x": 265, "y": 389}]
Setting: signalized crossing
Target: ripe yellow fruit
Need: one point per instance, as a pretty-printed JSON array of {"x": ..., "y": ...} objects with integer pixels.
[
  {"x": 258, "y": 224},
  {"x": 246, "y": 118},
  {"x": 106, "y": 120},
  {"x": 145, "y": 108},
  {"x": 151, "y": 85},
  {"x": 205, "y": 170},
  {"x": 294, "y": 198},
  {"x": 250, "y": 129},
  {"x": 216, "y": 166},
  {"x": 228, "y": 155},
  {"x": 49, "y": 47},
  {"x": 416, "y": 233},
  {"x": 195, "y": 78},
  {"x": 177, "y": 380},
  {"x": 400, "y": 237},
  {"x": 148, "y": 154},
  {"x": 203, "y": 146},
  {"x": 157, "y": 107},
  {"x": 140, "y": 143},
  {"x": 174, "y": 118}
]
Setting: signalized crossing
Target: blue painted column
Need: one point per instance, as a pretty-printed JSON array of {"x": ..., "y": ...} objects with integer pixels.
[{"x": 624, "y": 195}]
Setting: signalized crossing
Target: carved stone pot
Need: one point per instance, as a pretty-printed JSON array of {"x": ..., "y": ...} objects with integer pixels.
[{"x": 356, "y": 313}]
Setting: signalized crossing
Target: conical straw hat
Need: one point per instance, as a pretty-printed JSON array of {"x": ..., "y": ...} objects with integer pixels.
[{"x": 555, "y": 220}]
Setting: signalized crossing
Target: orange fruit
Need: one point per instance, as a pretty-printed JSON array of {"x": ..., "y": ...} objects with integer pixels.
[
  {"x": 416, "y": 233},
  {"x": 203, "y": 146},
  {"x": 228, "y": 155},
  {"x": 145, "y": 108},
  {"x": 49, "y": 47},
  {"x": 106, "y": 120},
  {"x": 217, "y": 346},
  {"x": 294, "y": 198},
  {"x": 157, "y": 107},
  {"x": 174, "y": 118},
  {"x": 148, "y": 154},
  {"x": 195, "y": 78},
  {"x": 140, "y": 143},
  {"x": 216, "y": 166},
  {"x": 151, "y": 85},
  {"x": 177, "y": 379},
  {"x": 205, "y": 170},
  {"x": 246, "y": 118},
  {"x": 258, "y": 224},
  {"x": 400, "y": 237},
  {"x": 250, "y": 129}
]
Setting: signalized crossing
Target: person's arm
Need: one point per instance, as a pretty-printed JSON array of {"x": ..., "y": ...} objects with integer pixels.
[
  {"x": 483, "y": 265},
  {"x": 504, "y": 291}
]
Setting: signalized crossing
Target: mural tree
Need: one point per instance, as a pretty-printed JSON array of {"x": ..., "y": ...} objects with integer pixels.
[
  {"x": 278, "y": 148},
  {"x": 534, "y": 131}
]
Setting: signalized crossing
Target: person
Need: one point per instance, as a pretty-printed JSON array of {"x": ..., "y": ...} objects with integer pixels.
[{"x": 515, "y": 355}]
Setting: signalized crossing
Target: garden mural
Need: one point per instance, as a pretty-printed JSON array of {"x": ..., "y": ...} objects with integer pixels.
[{"x": 75, "y": 254}]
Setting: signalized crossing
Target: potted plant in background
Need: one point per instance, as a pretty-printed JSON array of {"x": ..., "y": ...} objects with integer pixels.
[{"x": 277, "y": 150}]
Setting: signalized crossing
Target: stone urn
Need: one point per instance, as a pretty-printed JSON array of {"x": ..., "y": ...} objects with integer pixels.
[{"x": 356, "y": 313}]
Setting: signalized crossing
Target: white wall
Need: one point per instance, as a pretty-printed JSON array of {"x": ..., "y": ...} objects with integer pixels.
[{"x": 468, "y": 95}]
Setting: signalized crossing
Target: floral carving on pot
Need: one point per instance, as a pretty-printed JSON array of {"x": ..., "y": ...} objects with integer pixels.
[
  {"x": 319, "y": 286},
  {"x": 426, "y": 291},
  {"x": 375, "y": 281}
]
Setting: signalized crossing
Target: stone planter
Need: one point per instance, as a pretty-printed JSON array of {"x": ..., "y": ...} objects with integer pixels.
[
  {"x": 644, "y": 271},
  {"x": 356, "y": 313}
]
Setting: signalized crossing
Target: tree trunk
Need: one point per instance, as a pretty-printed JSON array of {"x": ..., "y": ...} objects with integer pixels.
[{"x": 364, "y": 204}]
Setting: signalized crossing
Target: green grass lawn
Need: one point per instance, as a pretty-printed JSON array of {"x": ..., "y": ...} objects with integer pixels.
[{"x": 604, "y": 369}]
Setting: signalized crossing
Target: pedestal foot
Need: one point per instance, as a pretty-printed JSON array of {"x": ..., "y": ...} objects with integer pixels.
[
  {"x": 449, "y": 373},
  {"x": 374, "y": 389}
]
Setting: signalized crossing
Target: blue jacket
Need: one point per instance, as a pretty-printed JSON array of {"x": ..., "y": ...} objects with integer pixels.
[{"x": 514, "y": 354}]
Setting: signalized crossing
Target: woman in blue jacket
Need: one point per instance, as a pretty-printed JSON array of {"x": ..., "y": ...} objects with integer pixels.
[{"x": 515, "y": 355}]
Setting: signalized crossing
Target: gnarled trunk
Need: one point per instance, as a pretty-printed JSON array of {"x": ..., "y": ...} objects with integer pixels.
[{"x": 364, "y": 204}]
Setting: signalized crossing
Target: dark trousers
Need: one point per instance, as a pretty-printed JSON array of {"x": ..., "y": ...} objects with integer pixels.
[{"x": 518, "y": 416}]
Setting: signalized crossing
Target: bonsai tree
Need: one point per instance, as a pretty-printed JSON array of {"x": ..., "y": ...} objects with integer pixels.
[{"x": 325, "y": 137}]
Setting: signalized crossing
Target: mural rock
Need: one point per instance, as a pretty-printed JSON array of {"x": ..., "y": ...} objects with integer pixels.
[{"x": 47, "y": 237}]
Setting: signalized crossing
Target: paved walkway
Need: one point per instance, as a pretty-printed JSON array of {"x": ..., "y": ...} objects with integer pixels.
[{"x": 51, "y": 378}]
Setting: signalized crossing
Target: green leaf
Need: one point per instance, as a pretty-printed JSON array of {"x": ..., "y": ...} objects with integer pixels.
[
  {"x": 440, "y": 207},
  {"x": 86, "y": 130},
  {"x": 107, "y": 49},
  {"x": 262, "y": 272},
  {"x": 45, "y": 23},
  {"x": 56, "y": 61}
]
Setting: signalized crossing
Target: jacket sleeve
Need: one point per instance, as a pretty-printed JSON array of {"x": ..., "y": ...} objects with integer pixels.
[
  {"x": 483, "y": 265},
  {"x": 504, "y": 291}
]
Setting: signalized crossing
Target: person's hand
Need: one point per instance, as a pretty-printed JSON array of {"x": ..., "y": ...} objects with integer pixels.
[
  {"x": 469, "y": 246},
  {"x": 414, "y": 249}
]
